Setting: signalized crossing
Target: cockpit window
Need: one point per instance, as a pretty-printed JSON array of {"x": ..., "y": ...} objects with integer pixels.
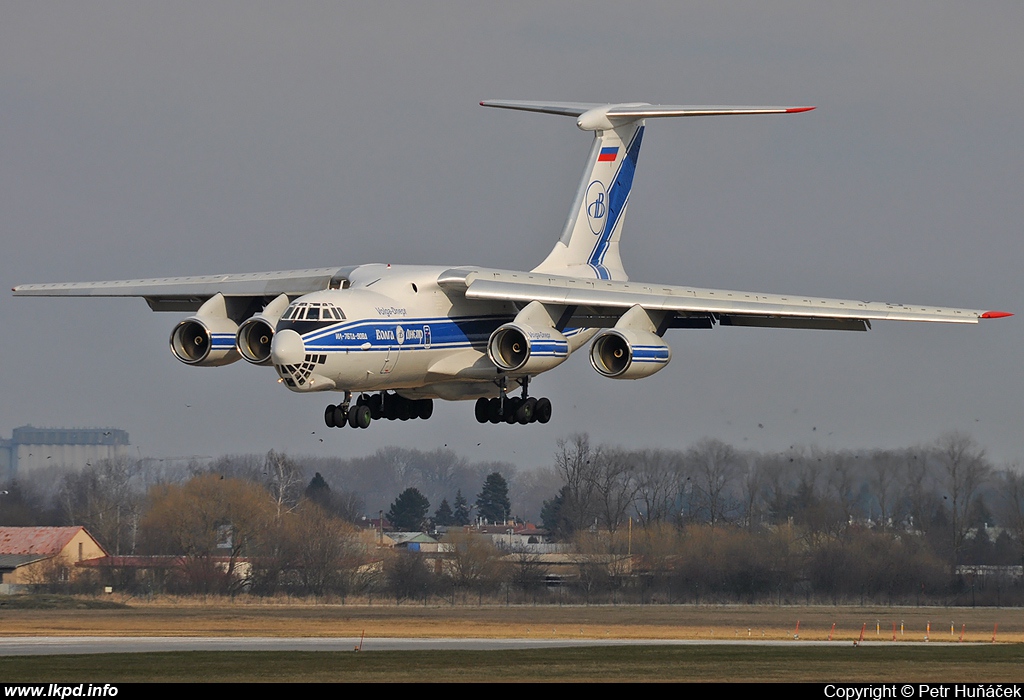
[{"x": 313, "y": 311}]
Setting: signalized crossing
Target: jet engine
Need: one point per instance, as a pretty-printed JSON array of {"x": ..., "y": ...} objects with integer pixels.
[
  {"x": 521, "y": 349},
  {"x": 256, "y": 333},
  {"x": 627, "y": 353},
  {"x": 208, "y": 338}
]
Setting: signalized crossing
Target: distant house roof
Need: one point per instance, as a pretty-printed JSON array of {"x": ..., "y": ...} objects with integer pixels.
[
  {"x": 45, "y": 541},
  {"x": 406, "y": 537}
]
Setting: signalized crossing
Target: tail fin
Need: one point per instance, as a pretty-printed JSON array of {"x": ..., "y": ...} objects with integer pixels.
[{"x": 589, "y": 244}]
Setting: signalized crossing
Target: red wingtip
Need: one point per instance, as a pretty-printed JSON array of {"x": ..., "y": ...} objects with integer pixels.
[
  {"x": 996, "y": 314},
  {"x": 792, "y": 110}
]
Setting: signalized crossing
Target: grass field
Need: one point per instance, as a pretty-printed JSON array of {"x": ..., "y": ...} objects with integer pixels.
[
  {"x": 699, "y": 663},
  {"x": 841, "y": 661}
]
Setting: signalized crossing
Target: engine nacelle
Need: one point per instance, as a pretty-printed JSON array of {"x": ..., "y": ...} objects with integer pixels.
[
  {"x": 256, "y": 333},
  {"x": 627, "y": 353},
  {"x": 518, "y": 348},
  {"x": 208, "y": 338},
  {"x": 254, "y": 338},
  {"x": 205, "y": 342}
]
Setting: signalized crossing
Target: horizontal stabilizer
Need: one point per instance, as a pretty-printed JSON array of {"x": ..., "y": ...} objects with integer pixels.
[{"x": 594, "y": 115}]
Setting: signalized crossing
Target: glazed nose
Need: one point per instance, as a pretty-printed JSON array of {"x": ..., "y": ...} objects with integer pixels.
[{"x": 287, "y": 348}]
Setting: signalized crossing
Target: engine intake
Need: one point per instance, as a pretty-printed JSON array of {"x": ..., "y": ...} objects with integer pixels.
[
  {"x": 253, "y": 340},
  {"x": 205, "y": 342},
  {"x": 208, "y": 338},
  {"x": 626, "y": 353},
  {"x": 257, "y": 333},
  {"x": 521, "y": 349}
]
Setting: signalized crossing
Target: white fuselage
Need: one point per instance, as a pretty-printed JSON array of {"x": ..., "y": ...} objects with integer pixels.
[{"x": 400, "y": 331}]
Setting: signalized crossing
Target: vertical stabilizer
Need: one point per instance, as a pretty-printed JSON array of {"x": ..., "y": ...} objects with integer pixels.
[{"x": 589, "y": 244}]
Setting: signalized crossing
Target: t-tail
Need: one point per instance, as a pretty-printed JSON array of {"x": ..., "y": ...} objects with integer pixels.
[{"x": 589, "y": 244}]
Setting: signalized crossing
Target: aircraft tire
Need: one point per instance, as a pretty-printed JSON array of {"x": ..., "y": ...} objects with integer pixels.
[
  {"x": 390, "y": 409},
  {"x": 329, "y": 416},
  {"x": 340, "y": 416},
  {"x": 511, "y": 409},
  {"x": 406, "y": 408},
  {"x": 375, "y": 403},
  {"x": 359, "y": 417},
  {"x": 524, "y": 414},
  {"x": 494, "y": 411},
  {"x": 543, "y": 410},
  {"x": 481, "y": 410},
  {"x": 424, "y": 409}
]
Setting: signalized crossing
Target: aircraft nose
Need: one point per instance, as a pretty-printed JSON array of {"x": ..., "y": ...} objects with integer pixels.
[{"x": 287, "y": 348}]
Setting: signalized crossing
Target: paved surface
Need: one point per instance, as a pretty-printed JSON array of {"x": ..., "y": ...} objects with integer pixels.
[{"x": 37, "y": 646}]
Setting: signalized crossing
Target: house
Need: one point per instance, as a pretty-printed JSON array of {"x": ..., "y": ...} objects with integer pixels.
[{"x": 32, "y": 556}]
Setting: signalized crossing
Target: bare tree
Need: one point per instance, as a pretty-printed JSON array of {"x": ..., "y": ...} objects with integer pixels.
[
  {"x": 1012, "y": 490},
  {"x": 284, "y": 480},
  {"x": 715, "y": 466},
  {"x": 659, "y": 476},
  {"x": 963, "y": 471},
  {"x": 102, "y": 497},
  {"x": 614, "y": 487},
  {"x": 472, "y": 562},
  {"x": 211, "y": 522},
  {"x": 884, "y": 482},
  {"x": 576, "y": 463}
]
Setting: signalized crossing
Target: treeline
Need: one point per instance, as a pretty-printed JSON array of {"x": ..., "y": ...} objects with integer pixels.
[
  {"x": 707, "y": 523},
  {"x": 964, "y": 509}
]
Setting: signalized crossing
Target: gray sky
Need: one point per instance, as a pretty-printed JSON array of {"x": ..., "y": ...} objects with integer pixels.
[{"x": 160, "y": 139}]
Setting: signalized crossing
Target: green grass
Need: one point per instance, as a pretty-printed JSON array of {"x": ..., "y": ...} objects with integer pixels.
[{"x": 988, "y": 663}]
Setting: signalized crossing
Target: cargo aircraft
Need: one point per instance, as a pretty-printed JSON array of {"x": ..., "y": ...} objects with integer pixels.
[{"x": 393, "y": 338}]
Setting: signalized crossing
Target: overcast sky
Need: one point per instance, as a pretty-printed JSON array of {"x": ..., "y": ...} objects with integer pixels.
[{"x": 153, "y": 139}]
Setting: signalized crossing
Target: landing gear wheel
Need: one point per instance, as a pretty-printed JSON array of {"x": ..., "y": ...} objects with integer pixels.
[
  {"x": 359, "y": 417},
  {"x": 511, "y": 408},
  {"x": 340, "y": 416},
  {"x": 494, "y": 411},
  {"x": 543, "y": 410},
  {"x": 390, "y": 409},
  {"x": 481, "y": 410},
  {"x": 375, "y": 404},
  {"x": 405, "y": 408},
  {"x": 329, "y": 416},
  {"x": 424, "y": 408},
  {"x": 524, "y": 414}
]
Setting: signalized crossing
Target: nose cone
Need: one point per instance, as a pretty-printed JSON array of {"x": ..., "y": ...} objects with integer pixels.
[{"x": 287, "y": 348}]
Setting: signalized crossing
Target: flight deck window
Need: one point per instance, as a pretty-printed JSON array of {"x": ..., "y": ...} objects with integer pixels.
[{"x": 313, "y": 314}]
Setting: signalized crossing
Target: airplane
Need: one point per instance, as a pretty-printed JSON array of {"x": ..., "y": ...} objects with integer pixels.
[{"x": 396, "y": 337}]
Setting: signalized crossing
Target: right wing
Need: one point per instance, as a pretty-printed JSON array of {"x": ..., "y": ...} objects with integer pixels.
[
  {"x": 189, "y": 293},
  {"x": 599, "y": 303}
]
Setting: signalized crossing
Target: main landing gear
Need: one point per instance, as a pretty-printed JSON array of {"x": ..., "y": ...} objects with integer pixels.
[
  {"x": 371, "y": 407},
  {"x": 513, "y": 409}
]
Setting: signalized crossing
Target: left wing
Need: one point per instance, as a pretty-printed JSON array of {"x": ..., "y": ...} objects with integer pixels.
[
  {"x": 599, "y": 303},
  {"x": 189, "y": 293}
]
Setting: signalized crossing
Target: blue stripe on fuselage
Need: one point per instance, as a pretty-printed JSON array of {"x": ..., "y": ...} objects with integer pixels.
[{"x": 381, "y": 334}]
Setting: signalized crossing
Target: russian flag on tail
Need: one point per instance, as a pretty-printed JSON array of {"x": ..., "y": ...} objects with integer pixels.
[{"x": 608, "y": 154}]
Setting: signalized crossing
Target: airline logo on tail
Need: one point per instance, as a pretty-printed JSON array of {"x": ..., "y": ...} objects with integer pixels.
[{"x": 597, "y": 206}]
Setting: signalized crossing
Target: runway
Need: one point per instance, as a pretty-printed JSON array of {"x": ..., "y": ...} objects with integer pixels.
[{"x": 48, "y": 646}]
